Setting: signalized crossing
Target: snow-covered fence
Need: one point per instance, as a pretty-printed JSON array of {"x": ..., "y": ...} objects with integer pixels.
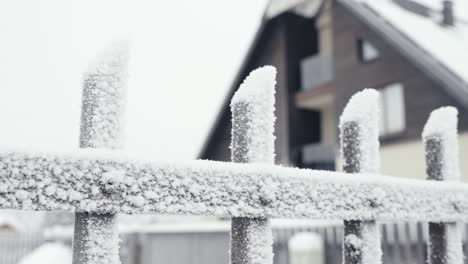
[{"x": 98, "y": 184}]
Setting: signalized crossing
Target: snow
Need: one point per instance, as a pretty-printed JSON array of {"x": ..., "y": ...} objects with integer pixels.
[
  {"x": 96, "y": 239},
  {"x": 251, "y": 241},
  {"x": 49, "y": 253},
  {"x": 104, "y": 99},
  {"x": 359, "y": 134},
  {"x": 454, "y": 246},
  {"x": 306, "y": 241},
  {"x": 253, "y": 125},
  {"x": 446, "y": 44},
  {"x": 440, "y": 140},
  {"x": 221, "y": 189},
  {"x": 442, "y": 127},
  {"x": 253, "y": 119},
  {"x": 363, "y": 110}
]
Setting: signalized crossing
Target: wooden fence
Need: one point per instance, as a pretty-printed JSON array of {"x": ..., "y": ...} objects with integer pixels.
[{"x": 97, "y": 185}]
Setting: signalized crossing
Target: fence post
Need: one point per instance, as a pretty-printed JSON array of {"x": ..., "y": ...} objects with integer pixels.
[
  {"x": 96, "y": 238},
  {"x": 252, "y": 108},
  {"x": 360, "y": 153},
  {"x": 440, "y": 142}
]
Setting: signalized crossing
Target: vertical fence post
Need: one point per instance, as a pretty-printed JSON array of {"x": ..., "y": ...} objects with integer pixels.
[
  {"x": 252, "y": 141},
  {"x": 441, "y": 146},
  {"x": 96, "y": 238},
  {"x": 360, "y": 153}
]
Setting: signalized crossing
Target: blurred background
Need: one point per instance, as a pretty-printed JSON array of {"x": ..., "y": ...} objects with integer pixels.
[{"x": 187, "y": 59}]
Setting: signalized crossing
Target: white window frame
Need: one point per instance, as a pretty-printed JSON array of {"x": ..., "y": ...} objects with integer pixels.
[
  {"x": 367, "y": 51},
  {"x": 392, "y": 110}
]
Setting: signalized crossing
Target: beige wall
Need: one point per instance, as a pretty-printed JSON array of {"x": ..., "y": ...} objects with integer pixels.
[
  {"x": 407, "y": 159},
  {"x": 328, "y": 124}
]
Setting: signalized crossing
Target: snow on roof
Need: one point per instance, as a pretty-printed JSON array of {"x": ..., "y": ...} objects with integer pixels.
[
  {"x": 308, "y": 8},
  {"x": 447, "y": 44}
]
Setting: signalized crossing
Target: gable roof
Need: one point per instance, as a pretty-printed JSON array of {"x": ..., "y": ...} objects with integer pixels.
[
  {"x": 412, "y": 27},
  {"x": 437, "y": 50}
]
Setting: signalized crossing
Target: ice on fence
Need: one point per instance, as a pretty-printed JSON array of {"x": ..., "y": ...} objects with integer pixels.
[
  {"x": 253, "y": 107},
  {"x": 103, "y": 99},
  {"x": 442, "y": 127},
  {"x": 218, "y": 188},
  {"x": 362, "y": 110}
]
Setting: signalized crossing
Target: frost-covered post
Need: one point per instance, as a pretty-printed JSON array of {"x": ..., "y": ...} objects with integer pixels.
[
  {"x": 96, "y": 238},
  {"x": 360, "y": 153},
  {"x": 441, "y": 146},
  {"x": 253, "y": 119}
]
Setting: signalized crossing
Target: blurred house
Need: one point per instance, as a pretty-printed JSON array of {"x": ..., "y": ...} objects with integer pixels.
[{"x": 412, "y": 51}]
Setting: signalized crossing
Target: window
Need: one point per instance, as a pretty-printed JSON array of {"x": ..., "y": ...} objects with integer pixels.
[
  {"x": 392, "y": 109},
  {"x": 367, "y": 51}
]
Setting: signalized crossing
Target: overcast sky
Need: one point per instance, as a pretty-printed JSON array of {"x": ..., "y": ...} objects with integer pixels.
[{"x": 184, "y": 56}]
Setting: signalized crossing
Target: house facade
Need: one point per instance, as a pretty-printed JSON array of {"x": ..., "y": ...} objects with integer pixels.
[{"x": 325, "y": 51}]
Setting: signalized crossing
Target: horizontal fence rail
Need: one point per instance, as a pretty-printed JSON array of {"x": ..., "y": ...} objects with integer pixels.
[{"x": 75, "y": 183}]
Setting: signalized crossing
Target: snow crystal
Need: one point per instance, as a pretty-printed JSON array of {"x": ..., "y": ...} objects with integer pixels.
[
  {"x": 137, "y": 200},
  {"x": 228, "y": 189},
  {"x": 103, "y": 100},
  {"x": 441, "y": 129},
  {"x": 253, "y": 117},
  {"x": 440, "y": 140},
  {"x": 360, "y": 120},
  {"x": 253, "y": 122},
  {"x": 251, "y": 241},
  {"x": 96, "y": 239}
]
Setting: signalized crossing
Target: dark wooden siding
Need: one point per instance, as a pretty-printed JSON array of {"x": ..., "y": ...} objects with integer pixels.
[
  {"x": 302, "y": 41},
  {"x": 422, "y": 95}
]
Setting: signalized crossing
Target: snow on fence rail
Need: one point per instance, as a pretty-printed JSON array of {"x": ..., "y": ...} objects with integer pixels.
[{"x": 98, "y": 184}]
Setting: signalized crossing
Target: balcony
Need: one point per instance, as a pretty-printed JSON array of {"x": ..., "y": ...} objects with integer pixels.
[{"x": 316, "y": 71}]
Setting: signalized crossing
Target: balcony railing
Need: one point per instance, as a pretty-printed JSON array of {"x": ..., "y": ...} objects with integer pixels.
[{"x": 316, "y": 70}]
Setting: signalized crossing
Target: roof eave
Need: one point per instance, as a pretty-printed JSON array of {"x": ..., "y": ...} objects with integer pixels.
[{"x": 424, "y": 61}]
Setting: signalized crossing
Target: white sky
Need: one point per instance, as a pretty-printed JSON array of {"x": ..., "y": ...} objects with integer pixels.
[{"x": 184, "y": 57}]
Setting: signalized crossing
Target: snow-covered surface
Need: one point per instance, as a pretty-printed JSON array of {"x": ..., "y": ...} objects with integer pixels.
[
  {"x": 453, "y": 245},
  {"x": 96, "y": 239},
  {"x": 50, "y": 253},
  {"x": 442, "y": 127},
  {"x": 251, "y": 241},
  {"x": 362, "y": 110},
  {"x": 441, "y": 144},
  {"x": 446, "y": 44},
  {"x": 306, "y": 241},
  {"x": 218, "y": 188},
  {"x": 104, "y": 90},
  {"x": 253, "y": 141},
  {"x": 253, "y": 118},
  {"x": 364, "y": 245},
  {"x": 359, "y": 134},
  {"x": 308, "y": 8}
]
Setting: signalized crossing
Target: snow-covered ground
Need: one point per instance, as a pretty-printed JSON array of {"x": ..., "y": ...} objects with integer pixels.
[{"x": 49, "y": 253}]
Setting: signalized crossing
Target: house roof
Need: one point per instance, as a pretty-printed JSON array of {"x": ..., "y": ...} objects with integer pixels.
[
  {"x": 414, "y": 28},
  {"x": 308, "y": 8}
]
